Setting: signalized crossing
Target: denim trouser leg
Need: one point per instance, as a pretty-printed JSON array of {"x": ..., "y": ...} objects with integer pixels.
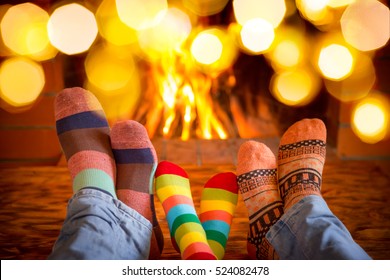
[
  {"x": 97, "y": 226},
  {"x": 309, "y": 230}
]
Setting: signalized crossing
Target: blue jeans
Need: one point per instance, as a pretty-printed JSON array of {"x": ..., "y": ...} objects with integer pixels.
[
  {"x": 97, "y": 226},
  {"x": 309, "y": 231}
]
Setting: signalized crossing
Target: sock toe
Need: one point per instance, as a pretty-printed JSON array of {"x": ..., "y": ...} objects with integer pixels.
[
  {"x": 306, "y": 129},
  {"x": 254, "y": 155}
]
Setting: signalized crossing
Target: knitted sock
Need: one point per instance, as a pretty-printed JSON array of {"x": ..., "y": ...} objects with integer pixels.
[
  {"x": 217, "y": 206},
  {"x": 83, "y": 133},
  {"x": 257, "y": 181},
  {"x": 136, "y": 162},
  {"x": 301, "y": 160},
  {"x": 187, "y": 233}
]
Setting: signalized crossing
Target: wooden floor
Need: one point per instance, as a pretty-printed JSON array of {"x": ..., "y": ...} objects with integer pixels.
[{"x": 33, "y": 205}]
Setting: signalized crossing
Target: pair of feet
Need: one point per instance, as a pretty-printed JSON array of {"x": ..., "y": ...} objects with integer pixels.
[
  {"x": 270, "y": 186},
  {"x": 122, "y": 162}
]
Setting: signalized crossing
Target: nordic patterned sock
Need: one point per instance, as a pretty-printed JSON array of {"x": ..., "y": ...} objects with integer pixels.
[
  {"x": 217, "y": 206},
  {"x": 257, "y": 181},
  {"x": 301, "y": 160},
  {"x": 83, "y": 133},
  {"x": 187, "y": 233},
  {"x": 136, "y": 162}
]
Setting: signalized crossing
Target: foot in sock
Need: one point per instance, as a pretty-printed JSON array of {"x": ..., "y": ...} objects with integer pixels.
[
  {"x": 83, "y": 133},
  {"x": 301, "y": 160},
  {"x": 257, "y": 181},
  {"x": 136, "y": 161},
  {"x": 187, "y": 233},
  {"x": 217, "y": 206}
]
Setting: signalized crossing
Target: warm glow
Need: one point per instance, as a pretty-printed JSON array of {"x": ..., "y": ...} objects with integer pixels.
[
  {"x": 289, "y": 48},
  {"x": 205, "y": 7},
  {"x": 140, "y": 14},
  {"x": 339, "y": 3},
  {"x": 358, "y": 84},
  {"x": 287, "y": 54},
  {"x": 295, "y": 88},
  {"x": 257, "y": 35},
  {"x": 370, "y": 120},
  {"x": 119, "y": 104},
  {"x": 21, "y": 81},
  {"x": 72, "y": 29},
  {"x": 107, "y": 70},
  {"x": 316, "y": 11},
  {"x": 23, "y": 30},
  {"x": 335, "y": 62},
  {"x": 111, "y": 27},
  {"x": 315, "y": 5},
  {"x": 206, "y": 48},
  {"x": 366, "y": 25},
  {"x": 272, "y": 11},
  {"x": 168, "y": 35}
]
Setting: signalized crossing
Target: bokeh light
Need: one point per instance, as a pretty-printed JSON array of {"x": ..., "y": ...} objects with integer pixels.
[
  {"x": 365, "y": 24},
  {"x": 257, "y": 35},
  {"x": 168, "y": 35},
  {"x": 21, "y": 81},
  {"x": 358, "y": 84},
  {"x": 272, "y": 11},
  {"x": 335, "y": 61},
  {"x": 214, "y": 50},
  {"x": 370, "y": 119},
  {"x": 297, "y": 87},
  {"x": 206, "y": 48},
  {"x": 72, "y": 36},
  {"x": 288, "y": 49},
  {"x": 111, "y": 27},
  {"x": 205, "y": 7},
  {"x": 287, "y": 54},
  {"x": 109, "y": 68},
  {"x": 315, "y": 11},
  {"x": 140, "y": 14},
  {"x": 119, "y": 104},
  {"x": 23, "y": 30},
  {"x": 339, "y": 3}
]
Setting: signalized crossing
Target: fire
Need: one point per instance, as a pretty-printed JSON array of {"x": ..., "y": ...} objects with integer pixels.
[{"x": 183, "y": 106}]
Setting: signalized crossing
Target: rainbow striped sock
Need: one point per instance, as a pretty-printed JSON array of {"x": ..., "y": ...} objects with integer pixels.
[
  {"x": 187, "y": 233},
  {"x": 217, "y": 207},
  {"x": 83, "y": 133},
  {"x": 136, "y": 161}
]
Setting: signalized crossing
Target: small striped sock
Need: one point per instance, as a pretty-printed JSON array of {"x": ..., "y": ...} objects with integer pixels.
[
  {"x": 136, "y": 162},
  {"x": 257, "y": 181},
  {"x": 83, "y": 133},
  {"x": 217, "y": 206},
  {"x": 187, "y": 233}
]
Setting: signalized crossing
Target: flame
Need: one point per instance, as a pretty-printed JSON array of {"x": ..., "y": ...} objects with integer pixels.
[{"x": 187, "y": 106}]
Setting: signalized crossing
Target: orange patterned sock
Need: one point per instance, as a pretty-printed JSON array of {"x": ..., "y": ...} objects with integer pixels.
[
  {"x": 301, "y": 160},
  {"x": 257, "y": 181}
]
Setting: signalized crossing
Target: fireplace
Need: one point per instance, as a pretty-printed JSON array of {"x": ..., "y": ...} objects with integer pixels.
[{"x": 182, "y": 94}]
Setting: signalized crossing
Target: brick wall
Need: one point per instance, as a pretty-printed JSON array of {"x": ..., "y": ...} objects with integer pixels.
[{"x": 29, "y": 137}]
